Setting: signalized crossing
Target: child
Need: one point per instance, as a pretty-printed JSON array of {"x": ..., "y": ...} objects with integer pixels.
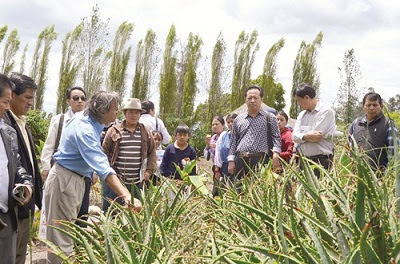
[
  {"x": 179, "y": 152},
  {"x": 158, "y": 138}
]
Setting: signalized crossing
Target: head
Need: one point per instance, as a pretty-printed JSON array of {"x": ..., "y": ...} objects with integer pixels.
[
  {"x": 76, "y": 98},
  {"x": 6, "y": 88},
  {"x": 305, "y": 96},
  {"x": 23, "y": 95},
  {"x": 132, "y": 109},
  {"x": 229, "y": 120},
  {"x": 182, "y": 134},
  {"x": 253, "y": 97},
  {"x": 103, "y": 107},
  {"x": 283, "y": 119},
  {"x": 148, "y": 107},
  {"x": 218, "y": 124},
  {"x": 372, "y": 105},
  {"x": 158, "y": 138}
]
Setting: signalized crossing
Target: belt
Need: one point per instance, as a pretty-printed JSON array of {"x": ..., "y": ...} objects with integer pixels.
[
  {"x": 74, "y": 172},
  {"x": 251, "y": 155}
]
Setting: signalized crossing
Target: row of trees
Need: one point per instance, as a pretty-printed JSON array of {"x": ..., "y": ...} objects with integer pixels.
[{"x": 85, "y": 59}]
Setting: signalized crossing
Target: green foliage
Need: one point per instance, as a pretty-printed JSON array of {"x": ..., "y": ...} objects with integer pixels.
[
  {"x": 394, "y": 103},
  {"x": 273, "y": 92},
  {"x": 120, "y": 59},
  {"x": 168, "y": 84},
  {"x": 396, "y": 118},
  {"x": 146, "y": 62},
  {"x": 349, "y": 91},
  {"x": 305, "y": 69},
  {"x": 191, "y": 60},
  {"x": 215, "y": 94},
  {"x": 38, "y": 123},
  {"x": 70, "y": 64},
  {"x": 10, "y": 49},
  {"x": 22, "y": 61},
  {"x": 40, "y": 62},
  {"x": 3, "y": 32},
  {"x": 245, "y": 52}
]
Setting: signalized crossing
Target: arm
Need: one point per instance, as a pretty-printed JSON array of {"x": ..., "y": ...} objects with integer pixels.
[
  {"x": 151, "y": 155},
  {"x": 217, "y": 159},
  {"x": 164, "y": 132},
  {"x": 392, "y": 139},
  {"x": 48, "y": 147},
  {"x": 232, "y": 149},
  {"x": 108, "y": 144}
]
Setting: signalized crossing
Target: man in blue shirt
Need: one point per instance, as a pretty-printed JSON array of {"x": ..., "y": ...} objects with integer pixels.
[{"x": 78, "y": 156}]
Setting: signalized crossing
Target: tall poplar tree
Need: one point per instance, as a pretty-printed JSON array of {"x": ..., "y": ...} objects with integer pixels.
[
  {"x": 23, "y": 59},
  {"x": 40, "y": 62},
  {"x": 120, "y": 58},
  {"x": 246, "y": 48},
  {"x": 305, "y": 69},
  {"x": 71, "y": 63},
  {"x": 168, "y": 76},
  {"x": 146, "y": 62},
  {"x": 192, "y": 56},
  {"x": 217, "y": 67},
  {"x": 274, "y": 92},
  {"x": 93, "y": 44},
  {"x": 349, "y": 91},
  {"x": 3, "y": 32},
  {"x": 10, "y": 50}
]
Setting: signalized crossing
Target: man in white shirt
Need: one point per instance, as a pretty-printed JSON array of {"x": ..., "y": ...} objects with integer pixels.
[
  {"x": 315, "y": 127},
  {"x": 152, "y": 122}
]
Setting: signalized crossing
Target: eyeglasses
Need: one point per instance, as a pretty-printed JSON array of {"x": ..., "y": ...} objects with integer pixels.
[{"x": 76, "y": 98}]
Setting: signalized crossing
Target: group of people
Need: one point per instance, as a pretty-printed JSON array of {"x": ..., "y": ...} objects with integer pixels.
[{"x": 131, "y": 152}]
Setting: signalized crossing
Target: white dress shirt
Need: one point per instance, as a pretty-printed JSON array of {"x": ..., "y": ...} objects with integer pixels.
[
  {"x": 155, "y": 123},
  {"x": 322, "y": 118},
  {"x": 49, "y": 144}
]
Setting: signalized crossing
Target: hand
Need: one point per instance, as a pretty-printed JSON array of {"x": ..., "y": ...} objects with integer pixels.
[
  {"x": 276, "y": 165},
  {"x": 217, "y": 175},
  {"x": 27, "y": 194},
  {"x": 231, "y": 167},
  {"x": 213, "y": 144},
  {"x": 146, "y": 176},
  {"x": 136, "y": 206},
  {"x": 313, "y": 136},
  {"x": 45, "y": 173},
  {"x": 95, "y": 178}
]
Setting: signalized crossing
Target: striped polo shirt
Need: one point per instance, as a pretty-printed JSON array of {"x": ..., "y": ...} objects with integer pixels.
[{"x": 128, "y": 162}]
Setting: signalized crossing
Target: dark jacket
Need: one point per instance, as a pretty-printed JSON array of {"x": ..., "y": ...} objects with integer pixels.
[
  {"x": 16, "y": 172},
  {"x": 23, "y": 211}
]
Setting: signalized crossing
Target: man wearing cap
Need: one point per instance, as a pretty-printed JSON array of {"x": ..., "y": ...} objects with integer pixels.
[{"x": 130, "y": 149}]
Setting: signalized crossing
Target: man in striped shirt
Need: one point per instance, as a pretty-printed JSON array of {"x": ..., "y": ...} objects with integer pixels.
[{"x": 131, "y": 150}]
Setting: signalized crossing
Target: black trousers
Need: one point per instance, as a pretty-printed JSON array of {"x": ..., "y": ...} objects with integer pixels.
[
  {"x": 244, "y": 165},
  {"x": 324, "y": 160},
  {"x": 84, "y": 211}
]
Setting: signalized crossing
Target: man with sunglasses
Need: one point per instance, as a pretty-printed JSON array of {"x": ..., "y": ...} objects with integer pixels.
[{"x": 76, "y": 100}]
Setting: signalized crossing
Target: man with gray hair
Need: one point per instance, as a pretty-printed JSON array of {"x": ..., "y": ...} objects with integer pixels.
[{"x": 78, "y": 156}]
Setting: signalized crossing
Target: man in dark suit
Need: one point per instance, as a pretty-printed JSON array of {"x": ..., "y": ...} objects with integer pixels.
[
  {"x": 22, "y": 100},
  {"x": 11, "y": 173}
]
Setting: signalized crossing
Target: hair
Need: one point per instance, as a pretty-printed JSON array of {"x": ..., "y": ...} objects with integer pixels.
[
  {"x": 69, "y": 91},
  {"x": 155, "y": 132},
  {"x": 254, "y": 87},
  {"x": 147, "y": 106},
  {"x": 100, "y": 103},
  {"x": 303, "y": 90},
  {"x": 372, "y": 96},
  {"x": 22, "y": 82},
  {"x": 5, "y": 83},
  {"x": 220, "y": 119},
  {"x": 284, "y": 115},
  {"x": 182, "y": 129},
  {"x": 231, "y": 116}
]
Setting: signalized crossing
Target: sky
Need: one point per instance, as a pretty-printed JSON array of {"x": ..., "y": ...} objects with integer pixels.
[{"x": 372, "y": 28}]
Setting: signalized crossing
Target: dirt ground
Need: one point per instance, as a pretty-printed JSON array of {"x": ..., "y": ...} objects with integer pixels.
[{"x": 39, "y": 250}]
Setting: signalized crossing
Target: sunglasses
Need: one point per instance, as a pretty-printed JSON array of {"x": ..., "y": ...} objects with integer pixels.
[{"x": 77, "y": 97}]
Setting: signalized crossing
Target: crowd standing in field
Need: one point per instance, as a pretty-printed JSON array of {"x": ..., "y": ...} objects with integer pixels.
[{"x": 130, "y": 153}]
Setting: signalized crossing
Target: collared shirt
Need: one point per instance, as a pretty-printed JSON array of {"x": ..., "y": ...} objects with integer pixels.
[
  {"x": 49, "y": 144},
  {"x": 155, "y": 123},
  {"x": 21, "y": 122},
  {"x": 322, "y": 118},
  {"x": 80, "y": 150},
  {"x": 4, "y": 177},
  {"x": 249, "y": 134}
]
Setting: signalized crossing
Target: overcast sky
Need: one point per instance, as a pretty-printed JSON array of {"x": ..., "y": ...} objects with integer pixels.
[{"x": 372, "y": 28}]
